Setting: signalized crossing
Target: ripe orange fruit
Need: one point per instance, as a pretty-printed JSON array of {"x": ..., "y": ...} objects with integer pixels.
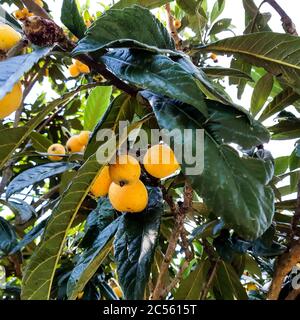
[
  {"x": 126, "y": 170},
  {"x": 74, "y": 71},
  {"x": 251, "y": 287},
  {"x": 160, "y": 161},
  {"x": 74, "y": 145},
  {"x": 101, "y": 184},
  {"x": 83, "y": 137},
  {"x": 58, "y": 149},
  {"x": 39, "y": 2},
  {"x": 8, "y": 37},
  {"x": 83, "y": 68},
  {"x": 128, "y": 198},
  {"x": 177, "y": 24},
  {"x": 214, "y": 57},
  {"x": 12, "y": 101},
  {"x": 118, "y": 292}
]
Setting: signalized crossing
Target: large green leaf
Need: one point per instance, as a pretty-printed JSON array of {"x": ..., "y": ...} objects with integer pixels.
[
  {"x": 122, "y": 108},
  {"x": 90, "y": 260},
  {"x": 8, "y": 237},
  {"x": 282, "y": 100},
  {"x": 22, "y": 210},
  {"x": 287, "y": 127},
  {"x": 157, "y": 73},
  {"x": 37, "y": 174},
  {"x": 276, "y": 52},
  {"x": 97, "y": 103},
  {"x": 191, "y": 287},
  {"x": 12, "y": 69},
  {"x": 217, "y": 72},
  {"x": 150, "y": 4},
  {"x": 40, "y": 142},
  {"x": 261, "y": 93},
  {"x": 134, "y": 246},
  {"x": 220, "y": 25},
  {"x": 72, "y": 19},
  {"x": 12, "y": 138},
  {"x": 233, "y": 186},
  {"x": 227, "y": 283},
  {"x": 122, "y": 28},
  {"x": 217, "y": 10}
]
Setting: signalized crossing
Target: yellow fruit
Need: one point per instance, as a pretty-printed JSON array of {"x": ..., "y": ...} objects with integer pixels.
[
  {"x": 83, "y": 137},
  {"x": 101, "y": 184},
  {"x": 8, "y": 37},
  {"x": 39, "y": 2},
  {"x": 74, "y": 145},
  {"x": 128, "y": 198},
  {"x": 160, "y": 161},
  {"x": 56, "y": 149},
  {"x": 74, "y": 71},
  {"x": 12, "y": 101},
  {"x": 88, "y": 23},
  {"x": 118, "y": 292},
  {"x": 22, "y": 14},
  {"x": 214, "y": 57},
  {"x": 177, "y": 24},
  {"x": 251, "y": 287},
  {"x": 80, "y": 295},
  {"x": 126, "y": 170},
  {"x": 83, "y": 68}
]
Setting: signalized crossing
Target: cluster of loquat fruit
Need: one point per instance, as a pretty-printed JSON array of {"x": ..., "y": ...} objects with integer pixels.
[
  {"x": 77, "y": 68},
  {"x": 12, "y": 101},
  {"x": 24, "y": 13},
  {"x": 76, "y": 143},
  {"x": 121, "y": 180}
]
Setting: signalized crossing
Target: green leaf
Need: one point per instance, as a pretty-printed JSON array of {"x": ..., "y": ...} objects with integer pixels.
[
  {"x": 286, "y": 129},
  {"x": 219, "y": 26},
  {"x": 219, "y": 72},
  {"x": 22, "y": 210},
  {"x": 72, "y": 19},
  {"x": 233, "y": 186},
  {"x": 150, "y": 4},
  {"x": 12, "y": 69},
  {"x": 281, "y": 165},
  {"x": 189, "y": 6},
  {"x": 37, "y": 174},
  {"x": 134, "y": 246},
  {"x": 97, "y": 103},
  {"x": 40, "y": 142},
  {"x": 122, "y": 108},
  {"x": 12, "y": 138},
  {"x": 157, "y": 73},
  {"x": 122, "y": 28},
  {"x": 227, "y": 283},
  {"x": 276, "y": 52},
  {"x": 282, "y": 100},
  {"x": 191, "y": 287},
  {"x": 261, "y": 93},
  {"x": 90, "y": 260},
  {"x": 8, "y": 238},
  {"x": 217, "y": 10}
]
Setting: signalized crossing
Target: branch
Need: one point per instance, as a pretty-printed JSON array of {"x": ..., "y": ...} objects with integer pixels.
[
  {"x": 293, "y": 294},
  {"x": 210, "y": 280},
  {"x": 36, "y": 9},
  {"x": 287, "y": 23},
  {"x": 172, "y": 28}
]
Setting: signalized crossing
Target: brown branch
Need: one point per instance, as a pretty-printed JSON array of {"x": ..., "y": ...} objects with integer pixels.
[
  {"x": 180, "y": 214},
  {"x": 172, "y": 28},
  {"x": 287, "y": 23},
  {"x": 36, "y": 9},
  {"x": 296, "y": 216},
  {"x": 293, "y": 294},
  {"x": 208, "y": 284},
  {"x": 284, "y": 265}
]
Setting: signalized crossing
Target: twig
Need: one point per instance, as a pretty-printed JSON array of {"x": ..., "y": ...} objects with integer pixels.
[
  {"x": 293, "y": 294},
  {"x": 287, "y": 23},
  {"x": 213, "y": 271},
  {"x": 172, "y": 28},
  {"x": 36, "y": 9},
  {"x": 296, "y": 217}
]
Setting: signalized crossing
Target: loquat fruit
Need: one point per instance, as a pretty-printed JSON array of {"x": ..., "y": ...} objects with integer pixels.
[
  {"x": 177, "y": 24},
  {"x": 83, "y": 137},
  {"x": 101, "y": 184},
  {"x": 58, "y": 149},
  {"x": 160, "y": 161},
  {"x": 8, "y": 37},
  {"x": 12, "y": 101},
  {"x": 251, "y": 287},
  {"x": 39, "y": 3},
  {"x": 128, "y": 198},
  {"x": 83, "y": 68},
  {"x": 126, "y": 170},
  {"x": 118, "y": 292},
  {"x": 214, "y": 57},
  {"x": 74, "y": 145},
  {"x": 74, "y": 71}
]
